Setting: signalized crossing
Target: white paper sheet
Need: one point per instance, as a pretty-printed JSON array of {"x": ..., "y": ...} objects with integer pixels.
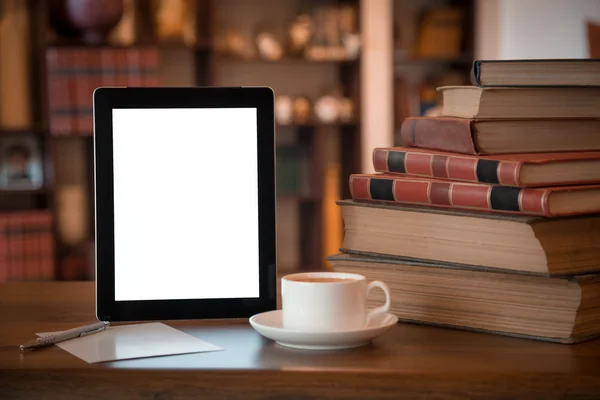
[{"x": 134, "y": 341}]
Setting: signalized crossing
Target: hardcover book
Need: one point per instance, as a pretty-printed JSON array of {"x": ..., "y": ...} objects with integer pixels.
[
  {"x": 527, "y": 73},
  {"x": 565, "y": 309},
  {"x": 547, "y": 201},
  {"x": 476, "y": 240},
  {"x": 507, "y": 102},
  {"x": 524, "y": 170},
  {"x": 501, "y": 136}
]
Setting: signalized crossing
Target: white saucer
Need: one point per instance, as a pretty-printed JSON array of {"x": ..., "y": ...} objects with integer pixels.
[{"x": 269, "y": 324}]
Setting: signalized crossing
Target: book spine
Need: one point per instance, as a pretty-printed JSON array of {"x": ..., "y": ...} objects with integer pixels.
[
  {"x": 457, "y": 168},
  {"x": 476, "y": 73},
  {"x": 57, "y": 61},
  {"x": 121, "y": 67},
  {"x": 3, "y": 249},
  {"x": 16, "y": 260},
  {"x": 84, "y": 92},
  {"x": 28, "y": 250},
  {"x": 11, "y": 268},
  {"x": 134, "y": 73},
  {"x": 461, "y": 196},
  {"x": 149, "y": 63},
  {"x": 46, "y": 246},
  {"x": 444, "y": 134}
]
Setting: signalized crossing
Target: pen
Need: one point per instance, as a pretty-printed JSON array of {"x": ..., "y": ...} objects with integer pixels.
[{"x": 65, "y": 335}]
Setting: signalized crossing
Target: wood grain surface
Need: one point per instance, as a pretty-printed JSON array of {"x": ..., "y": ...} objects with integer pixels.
[{"x": 410, "y": 362}]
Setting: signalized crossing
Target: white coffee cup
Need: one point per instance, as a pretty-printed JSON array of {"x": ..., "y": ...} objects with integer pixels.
[{"x": 328, "y": 301}]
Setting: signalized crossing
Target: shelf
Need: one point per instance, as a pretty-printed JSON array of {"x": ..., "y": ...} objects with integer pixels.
[
  {"x": 312, "y": 125},
  {"x": 283, "y": 61},
  {"x": 464, "y": 59},
  {"x": 31, "y": 131},
  {"x": 4, "y": 192},
  {"x": 141, "y": 44},
  {"x": 72, "y": 135}
]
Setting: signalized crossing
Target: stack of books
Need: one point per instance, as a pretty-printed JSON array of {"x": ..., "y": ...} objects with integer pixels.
[
  {"x": 26, "y": 246},
  {"x": 488, "y": 218}
]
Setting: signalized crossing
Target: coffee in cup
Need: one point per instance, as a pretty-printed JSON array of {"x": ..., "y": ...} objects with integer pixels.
[{"x": 328, "y": 301}]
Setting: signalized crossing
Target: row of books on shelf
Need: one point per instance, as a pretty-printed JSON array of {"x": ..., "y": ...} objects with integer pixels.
[
  {"x": 292, "y": 167},
  {"x": 73, "y": 73},
  {"x": 26, "y": 246},
  {"x": 507, "y": 242}
]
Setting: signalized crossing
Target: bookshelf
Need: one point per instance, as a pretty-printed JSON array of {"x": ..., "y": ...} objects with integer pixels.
[
  {"x": 332, "y": 149},
  {"x": 433, "y": 46}
]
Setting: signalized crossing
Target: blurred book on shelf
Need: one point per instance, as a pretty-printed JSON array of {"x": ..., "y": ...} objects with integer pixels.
[
  {"x": 15, "y": 63},
  {"x": 440, "y": 33},
  {"x": 26, "y": 246},
  {"x": 288, "y": 234},
  {"x": 292, "y": 170},
  {"x": 74, "y": 73}
]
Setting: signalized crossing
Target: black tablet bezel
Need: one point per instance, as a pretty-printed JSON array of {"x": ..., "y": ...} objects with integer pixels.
[{"x": 107, "y": 99}]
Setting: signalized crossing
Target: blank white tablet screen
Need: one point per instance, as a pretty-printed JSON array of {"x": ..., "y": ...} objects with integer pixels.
[{"x": 185, "y": 203}]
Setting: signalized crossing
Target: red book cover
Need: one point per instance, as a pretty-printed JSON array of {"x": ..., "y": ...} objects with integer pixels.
[
  {"x": 475, "y": 196},
  {"x": 3, "y": 249},
  {"x": 504, "y": 170},
  {"x": 59, "y": 70},
  {"x": 134, "y": 64},
  {"x": 95, "y": 77},
  {"x": 84, "y": 92},
  {"x": 16, "y": 248},
  {"x": 27, "y": 250},
  {"x": 10, "y": 251},
  {"x": 121, "y": 67},
  {"x": 107, "y": 65},
  {"x": 149, "y": 62},
  {"x": 69, "y": 69},
  {"x": 439, "y": 133},
  {"x": 46, "y": 246},
  {"x": 37, "y": 230}
]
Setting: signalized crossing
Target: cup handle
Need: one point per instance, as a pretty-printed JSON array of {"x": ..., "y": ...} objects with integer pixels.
[{"x": 381, "y": 309}]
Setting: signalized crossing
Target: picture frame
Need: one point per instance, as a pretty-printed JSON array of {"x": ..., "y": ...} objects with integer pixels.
[{"x": 21, "y": 164}]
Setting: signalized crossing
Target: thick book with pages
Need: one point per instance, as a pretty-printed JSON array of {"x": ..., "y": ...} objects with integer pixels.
[
  {"x": 565, "y": 309},
  {"x": 511, "y": 103},
  {"x": 532, "y": 245}
]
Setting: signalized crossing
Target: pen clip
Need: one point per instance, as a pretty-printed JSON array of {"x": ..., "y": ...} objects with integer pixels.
[{"x": 93, "y": 331}]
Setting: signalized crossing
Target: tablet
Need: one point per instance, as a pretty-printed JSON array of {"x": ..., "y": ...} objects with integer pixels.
[{"x": 185, "y": 203}]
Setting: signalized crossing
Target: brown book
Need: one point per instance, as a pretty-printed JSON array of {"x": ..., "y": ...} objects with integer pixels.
[
  {"x": 523, "y": 170},
  {"x": 552, "y": 201},
  {"x": 530, "y": 102},
  {"x": 565, "y": 310},
  {"x": 501, "y": 136},
  {"x": 527, "y": 73},
  {"x": 562, "y": 246}
]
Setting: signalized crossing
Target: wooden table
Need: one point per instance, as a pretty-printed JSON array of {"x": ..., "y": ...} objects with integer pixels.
[{"x": 410, "y": 362}]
